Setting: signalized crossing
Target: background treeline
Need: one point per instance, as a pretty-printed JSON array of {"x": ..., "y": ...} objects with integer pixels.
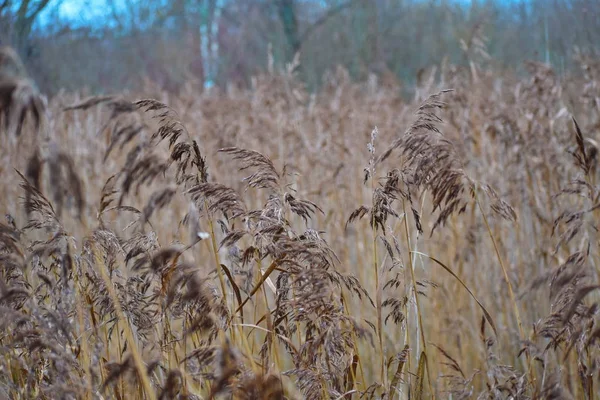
[{"x": 213, "y": 42}]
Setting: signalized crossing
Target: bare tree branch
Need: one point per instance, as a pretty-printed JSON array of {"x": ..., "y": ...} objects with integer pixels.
[{"x": 323, "y": 19}]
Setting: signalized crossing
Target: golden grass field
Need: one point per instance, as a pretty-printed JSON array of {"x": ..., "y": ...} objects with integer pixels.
[{"x": 272, "y": 243}]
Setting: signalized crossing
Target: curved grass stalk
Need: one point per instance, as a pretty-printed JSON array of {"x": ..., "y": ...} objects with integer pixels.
[
  {"x": 486, "y": 314},
  {"x": 511, "y": 292}
]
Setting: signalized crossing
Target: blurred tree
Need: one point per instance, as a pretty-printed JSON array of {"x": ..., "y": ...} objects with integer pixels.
[
  {"x": 172, "y": 42},
  {"x": 288, "y": 15},
  {"x": 18, "y": 18},
  {"x": 286, "y": 10}
]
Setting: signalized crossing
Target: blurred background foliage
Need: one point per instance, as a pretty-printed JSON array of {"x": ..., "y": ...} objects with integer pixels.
[{"x": 117, "y": 44}]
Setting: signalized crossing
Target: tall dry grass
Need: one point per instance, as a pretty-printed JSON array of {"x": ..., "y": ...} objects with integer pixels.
[{"x": 272, "y": 243}]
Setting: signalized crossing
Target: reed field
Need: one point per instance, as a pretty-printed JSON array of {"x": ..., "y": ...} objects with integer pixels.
[{"x": 271, "y": 242}]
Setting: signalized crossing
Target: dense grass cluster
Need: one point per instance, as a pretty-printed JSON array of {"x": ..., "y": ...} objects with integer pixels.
[{"x": 272, "y": 243}]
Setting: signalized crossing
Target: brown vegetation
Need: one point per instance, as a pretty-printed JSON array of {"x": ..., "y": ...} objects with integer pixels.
[
  {"x": 18, "y": 94},
  {"x": 270, "y": 243}
]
